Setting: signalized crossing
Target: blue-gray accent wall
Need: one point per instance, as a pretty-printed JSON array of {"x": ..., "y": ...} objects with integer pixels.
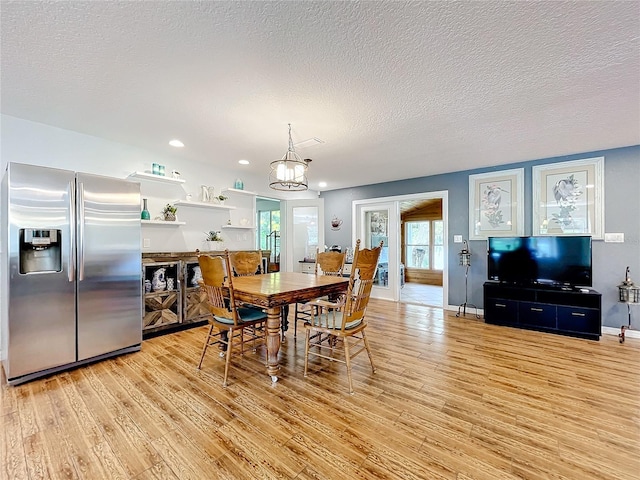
[{"x": 622, "y": 215}]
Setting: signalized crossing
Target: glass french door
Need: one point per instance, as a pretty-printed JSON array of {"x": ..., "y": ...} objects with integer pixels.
[
  {"x": 377, "y": 222},
  {"x": 304, "y": 232}
]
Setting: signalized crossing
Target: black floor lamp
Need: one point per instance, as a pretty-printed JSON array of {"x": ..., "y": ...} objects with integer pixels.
[{"x": 465, "y": 261}]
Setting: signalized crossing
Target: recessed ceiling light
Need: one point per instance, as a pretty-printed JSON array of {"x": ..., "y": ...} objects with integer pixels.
[
  {"x": 176, "y": 143},
  {"x": 243, "y": 162},
  {"x": 322, "y": 184}
]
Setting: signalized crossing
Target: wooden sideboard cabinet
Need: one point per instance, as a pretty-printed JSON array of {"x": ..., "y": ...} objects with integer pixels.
[
  {"x": 162, "y": 297},
  {"x": 178, "y": 303}
]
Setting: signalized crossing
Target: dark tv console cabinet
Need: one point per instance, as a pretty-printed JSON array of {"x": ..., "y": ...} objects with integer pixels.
[{"x": 555, "y": 310}]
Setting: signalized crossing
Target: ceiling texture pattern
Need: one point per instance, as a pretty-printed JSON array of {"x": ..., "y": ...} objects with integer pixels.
[{"x": 395, "y": 89}]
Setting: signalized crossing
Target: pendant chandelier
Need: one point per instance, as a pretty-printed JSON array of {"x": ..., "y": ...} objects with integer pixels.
[{"x": 290, "y": 172}]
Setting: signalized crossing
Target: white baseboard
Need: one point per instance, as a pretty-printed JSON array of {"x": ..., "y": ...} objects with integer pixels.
[
  {"x": 605, "y": 330},
  {"x": 616, "y": 332}
]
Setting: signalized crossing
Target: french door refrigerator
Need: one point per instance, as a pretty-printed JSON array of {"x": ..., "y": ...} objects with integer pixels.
[{"x": 73, "y": 291}]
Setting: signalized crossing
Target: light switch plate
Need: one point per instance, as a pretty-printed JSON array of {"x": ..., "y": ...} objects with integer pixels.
[
  {"x": 457, "y": 239},
  {"x": 146, "y": 243},
  {"x": 614, "y": 237}
]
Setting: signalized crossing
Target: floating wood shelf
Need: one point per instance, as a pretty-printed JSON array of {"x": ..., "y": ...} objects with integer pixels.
[
  {"x": 235, "y": 190},
  {"x": 162, "y": 222},
  {"x": 245, "y": 227},
  {"x": 155, "y": 178},
  {"x": 184, "y": 203}
]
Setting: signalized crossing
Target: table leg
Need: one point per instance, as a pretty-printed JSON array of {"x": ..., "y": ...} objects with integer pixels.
[{"x": 273, "y": 342}]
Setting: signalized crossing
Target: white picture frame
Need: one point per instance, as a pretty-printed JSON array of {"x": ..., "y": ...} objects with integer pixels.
[
  {"x": 568, "y": 198},
  {"x": 496, "y": 204}
]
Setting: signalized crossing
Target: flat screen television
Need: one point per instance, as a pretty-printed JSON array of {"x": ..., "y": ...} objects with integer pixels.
[{"x": 552, "y": 261}]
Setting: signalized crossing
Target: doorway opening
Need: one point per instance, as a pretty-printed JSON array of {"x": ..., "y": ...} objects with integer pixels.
[
  {"x": 415, "y": 266},
  {"x": 268, "y": 221},
  {"x": 422, "y": 251}
]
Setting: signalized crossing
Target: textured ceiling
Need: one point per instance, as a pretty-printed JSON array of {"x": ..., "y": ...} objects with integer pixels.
[{"x": 395, "y": 89}]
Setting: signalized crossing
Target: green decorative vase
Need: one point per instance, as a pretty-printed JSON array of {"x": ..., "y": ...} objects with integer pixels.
[{"x": 145, "y": 213}]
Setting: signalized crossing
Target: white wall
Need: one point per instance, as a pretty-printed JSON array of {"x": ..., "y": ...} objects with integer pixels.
[{"x": 23, "y": 141}]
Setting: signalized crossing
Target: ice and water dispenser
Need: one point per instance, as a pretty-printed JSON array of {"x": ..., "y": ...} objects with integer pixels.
[{"x": 40, "y": 250}]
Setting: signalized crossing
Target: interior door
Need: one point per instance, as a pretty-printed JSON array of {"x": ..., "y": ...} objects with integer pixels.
[
  {"x": 304, "y": 232},
  {"x": 375, "y": 222}
]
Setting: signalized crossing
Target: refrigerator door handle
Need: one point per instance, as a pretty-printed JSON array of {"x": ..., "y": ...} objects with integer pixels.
[
  {"x": 80, "y": 238},
  {"x": 71, "y": 267}
]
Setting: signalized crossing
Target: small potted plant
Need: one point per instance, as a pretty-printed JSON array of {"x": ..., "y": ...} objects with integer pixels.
[
  {"x": 169, "y": 212},
  {"x": 221, "y": 199},
  {"x": 214, "y": 241}
]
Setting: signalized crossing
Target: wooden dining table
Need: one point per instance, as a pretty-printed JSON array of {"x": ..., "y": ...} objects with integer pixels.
[{"x": 273, "y": 290}]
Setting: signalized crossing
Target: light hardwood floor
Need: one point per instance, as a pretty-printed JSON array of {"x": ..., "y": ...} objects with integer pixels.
[{"x": 453, "y": 398}]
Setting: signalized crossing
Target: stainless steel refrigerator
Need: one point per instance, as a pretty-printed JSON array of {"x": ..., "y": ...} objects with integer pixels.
[{"x": 72, "y": 291}]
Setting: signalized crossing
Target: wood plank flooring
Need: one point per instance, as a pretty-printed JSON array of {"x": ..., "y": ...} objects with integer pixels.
[{"x": 452, "y": 398}]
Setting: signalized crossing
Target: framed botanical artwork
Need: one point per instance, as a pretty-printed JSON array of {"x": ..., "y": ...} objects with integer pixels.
[
  {"x": 568, "y": 198},
  {"x": 496, "y": 204}
]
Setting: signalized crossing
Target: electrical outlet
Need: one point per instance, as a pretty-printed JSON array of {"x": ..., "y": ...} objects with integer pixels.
[
  {"x": 614, "y": 237},
  {"x": 146, "y": 243},
  {"x": 457, "y": 239}
]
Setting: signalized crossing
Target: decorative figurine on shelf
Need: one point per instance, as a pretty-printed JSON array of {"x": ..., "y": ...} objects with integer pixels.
[
  {"x": 204, "y": 193},
  {"x": 197, "y": 276},
  {"x": 144, "y": 215},
  {"x": 169, "y": 213},
  {"x": 159, "y": 283},
  {"x": 221, "y": 199}
]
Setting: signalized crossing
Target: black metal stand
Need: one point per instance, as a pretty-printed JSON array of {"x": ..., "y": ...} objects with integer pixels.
[
  {"x": 464, "y": 306},
  {"x": 625, "y": 327}
]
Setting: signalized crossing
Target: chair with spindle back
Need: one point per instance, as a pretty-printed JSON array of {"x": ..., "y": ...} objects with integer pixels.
[
  {"x": 327, "y": 263},
  {"x": 244, "y": 264},
  {"x": 228, "y": 320},
  {"x": 347, "y": 320}
]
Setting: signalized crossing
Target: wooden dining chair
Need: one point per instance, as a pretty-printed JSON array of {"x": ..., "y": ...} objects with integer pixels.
[
  {"x": 228, "y": 320},
  {"x": 346, "y": 321},
  {"x": 327, "y": 263},
  {"x": 245, "y": 264}
]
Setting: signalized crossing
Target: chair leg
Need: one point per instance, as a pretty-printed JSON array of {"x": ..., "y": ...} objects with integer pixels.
[
  {"x": 347, "y": 357},
  {"x": 366, "y": 344},
  {"x": 284, "y": 320},
  {"x": 295, "y": 323},
  {"x": 226, "y": 364},
  {"x": 306, "y": 350},
  {"x": 204, "y": 348}
]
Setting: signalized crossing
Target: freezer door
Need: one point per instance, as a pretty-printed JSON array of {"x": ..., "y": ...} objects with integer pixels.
[
  {"x": 41, "y": 326},
  {"x": 109, "y": 265}
]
